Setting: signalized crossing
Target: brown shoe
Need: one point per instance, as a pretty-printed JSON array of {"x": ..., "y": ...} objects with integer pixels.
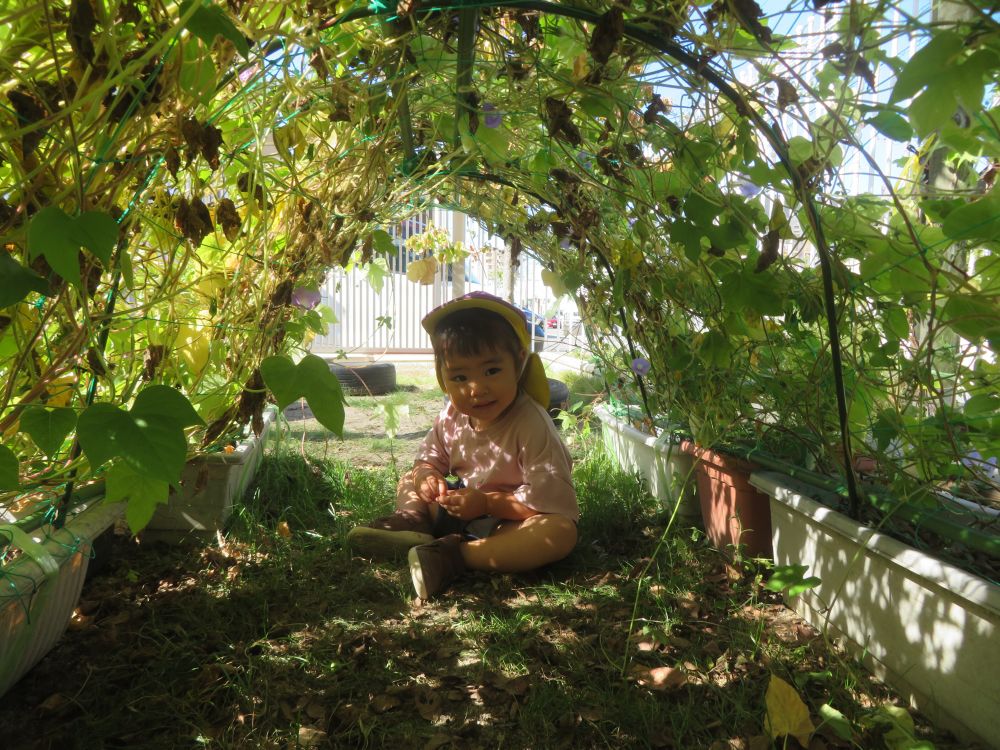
[
  {"x": 435, "y": 565},
  {"x": 391, "y": 536}
]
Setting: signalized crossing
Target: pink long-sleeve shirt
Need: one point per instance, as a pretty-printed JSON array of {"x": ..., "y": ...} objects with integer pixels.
[{"x": 520, "y": 453}]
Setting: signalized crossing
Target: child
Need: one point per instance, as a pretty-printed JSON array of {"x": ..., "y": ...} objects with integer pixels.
[{"x": 517, "y": 510}]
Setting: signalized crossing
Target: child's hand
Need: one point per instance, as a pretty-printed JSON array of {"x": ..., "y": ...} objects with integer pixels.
[
  {"x": 430, "y": 483},
  {"x": 465, "y": 504}
]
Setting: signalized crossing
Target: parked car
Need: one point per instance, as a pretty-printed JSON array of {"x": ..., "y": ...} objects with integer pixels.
[
  {"x": 553, "y": 322},
  {"x": 536, "y": 321}
]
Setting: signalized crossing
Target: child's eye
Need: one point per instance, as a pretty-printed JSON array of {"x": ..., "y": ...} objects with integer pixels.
[
  {"x": 458, "y": 378},
  {"x": 493, "y": 370}
]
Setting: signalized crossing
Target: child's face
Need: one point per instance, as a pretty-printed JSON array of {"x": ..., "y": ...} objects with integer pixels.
[{"x": 481, "y": 386}]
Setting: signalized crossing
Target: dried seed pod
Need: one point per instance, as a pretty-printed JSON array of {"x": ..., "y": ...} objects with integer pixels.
[
  {"x": 228, "y": 218},
  {"x": 608, "y": 31}
]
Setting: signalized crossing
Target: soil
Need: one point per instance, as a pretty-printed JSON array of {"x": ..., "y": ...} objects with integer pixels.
[{"x": 365, "y": 442}]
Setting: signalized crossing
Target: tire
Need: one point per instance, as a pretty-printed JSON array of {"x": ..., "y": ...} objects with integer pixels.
[
  {"x": 558, "y": 398},
  {"x": 365, "y": 379}
]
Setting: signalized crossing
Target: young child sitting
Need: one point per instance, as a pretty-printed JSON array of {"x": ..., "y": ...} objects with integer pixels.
[{"x": 512, "y": 507}]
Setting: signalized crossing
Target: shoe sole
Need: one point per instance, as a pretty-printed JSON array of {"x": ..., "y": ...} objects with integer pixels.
[
  {"x": 385, "y": 544},
  {"x": 417, "y": 574}
]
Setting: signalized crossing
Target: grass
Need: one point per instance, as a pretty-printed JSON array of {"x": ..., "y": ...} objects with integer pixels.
[{"x": 275, "y": 636}]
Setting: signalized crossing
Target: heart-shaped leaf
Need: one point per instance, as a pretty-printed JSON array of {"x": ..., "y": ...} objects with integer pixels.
[
  {"x": 8, "y": 469},
  {"x": 383, "y": 242},
  {"x": 50, "y": 233},
  {"x": 97, "y": 232},
  {"x": 157, "y": 447},
  {"x": 209, "y": 21},
  {"x": 123, "y": 482},
  {"x": 166, "y": 403},
  {"x": 16, "y": 281},
  {"x": 48, "y": 427},
  {"x": 787, "y": 715},
  {"x": 310, "y": 379},
  {"x": 59, "y": 237}
]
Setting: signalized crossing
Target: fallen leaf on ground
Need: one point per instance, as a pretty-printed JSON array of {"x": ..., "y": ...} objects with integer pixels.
[
  {"x": 383, "y": 703},
  {"x": 284, "y": 531},
  {"x": 428, "y": 703},
  {"x": 787, "y": 715},
  {"x": 53, "y": 703},
  {"x": 659, "y": 678},
  {"x": 309, "y": 737}
]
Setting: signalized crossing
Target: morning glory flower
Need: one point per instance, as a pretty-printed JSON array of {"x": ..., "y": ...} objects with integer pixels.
[
  {"x": 640, "y": 366},
  {"x": 305, "y": 297},
  {"x": 493, "y": 118},
  {"x": 746, "y": 188}
]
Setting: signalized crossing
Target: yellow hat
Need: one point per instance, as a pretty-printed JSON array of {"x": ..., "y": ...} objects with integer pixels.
[{"x": 533, "y": 379}]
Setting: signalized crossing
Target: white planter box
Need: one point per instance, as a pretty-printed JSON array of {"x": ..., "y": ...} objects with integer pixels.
[
  {"x": 210, "y": 485},
  {"x": 668, "y": 471},
  {"x": 927, "y": 628},
  {"x": 41, "y": 588}
]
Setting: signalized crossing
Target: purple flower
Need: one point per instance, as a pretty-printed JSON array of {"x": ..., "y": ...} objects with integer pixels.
[
  {"x": 640, "y": 366},
  {"x": 493, "y": 118},
  {"x": 746, "y": 188},
  {"x": 306, "y": 298}
]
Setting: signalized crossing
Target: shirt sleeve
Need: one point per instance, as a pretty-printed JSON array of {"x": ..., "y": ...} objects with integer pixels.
[
  {"x": 434, "y": 449},
  {"x": 546, "y": 466}
]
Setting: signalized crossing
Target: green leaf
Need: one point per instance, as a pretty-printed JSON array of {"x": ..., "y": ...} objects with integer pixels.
[
  {"x": 166, "y": 403},
  {"x": 983, "y": 403},
  {"x": 143, "y": 494},
  {"x": 153, "y": 446},
  {"x": 16, "y": 281},
  {"x": 837, "y": 722},
  {"x": 972, "y": 316},
  {"x": 9, "y": 479},
  {"x": 383, "y": 242},
  {"x": 50, "y": 233},
  {"x": 792, "y": 578},
  {"x": 198, "y": 75},
  {"x": 897, "y": 323},
  {"x": 932, "y": 109},
  {"x": 391, "y": 414},
  {"x": 892, "y": 126},
  {"x": 98, "y": 232},
  {"x": 377, "y": 271},
  {"x": 493, "y": 144},
  {"x": 979, "y": 220},
  {"x": 929, "y": 64},
  {"x": 210, "y": 21},
  {"x": 59, "y": 237},
  {"x": 48, "y": 427},
  {"x": 125, "y": 260},
  {"x": 310, "y": 379}
]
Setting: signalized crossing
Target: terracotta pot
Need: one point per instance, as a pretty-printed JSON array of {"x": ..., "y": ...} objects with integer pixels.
[{"x": 736, "y": 514}]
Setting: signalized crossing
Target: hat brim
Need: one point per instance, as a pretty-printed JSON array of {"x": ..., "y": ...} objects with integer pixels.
[
  {"x": 509, "y": 313},
  {"x": 533, "y": 380}
]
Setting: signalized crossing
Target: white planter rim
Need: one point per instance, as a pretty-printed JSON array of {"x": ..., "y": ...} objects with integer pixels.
[
  {"x": 244, "y": 448},
  {"x": 666, "y": 437},
  {"x": 943, "y": 575}
]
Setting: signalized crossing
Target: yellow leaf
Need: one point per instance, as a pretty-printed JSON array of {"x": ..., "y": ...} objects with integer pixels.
[
  {"x": 554, "y": 282},
  {"x": 786, "y": 713},
  {"x": 284, "y": 530},
  {"x": 192, "y": 344},
  {"x": 581, "y": 67},
  {"x": 60, "y": 390}
]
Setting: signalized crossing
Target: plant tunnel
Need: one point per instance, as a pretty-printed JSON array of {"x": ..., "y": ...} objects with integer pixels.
[{"x": 793, "y": 231}]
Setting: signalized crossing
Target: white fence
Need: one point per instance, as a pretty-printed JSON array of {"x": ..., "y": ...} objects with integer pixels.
[{"x": 371, "y": 321}]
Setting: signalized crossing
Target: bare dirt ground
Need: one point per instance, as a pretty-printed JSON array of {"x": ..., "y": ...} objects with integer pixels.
[{"x": 416, "y": 403}]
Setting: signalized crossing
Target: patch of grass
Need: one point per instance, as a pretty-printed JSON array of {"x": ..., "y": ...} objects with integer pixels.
[
  {"x": 277, "y": 637},
  {"x": 583, "y": 387}
]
